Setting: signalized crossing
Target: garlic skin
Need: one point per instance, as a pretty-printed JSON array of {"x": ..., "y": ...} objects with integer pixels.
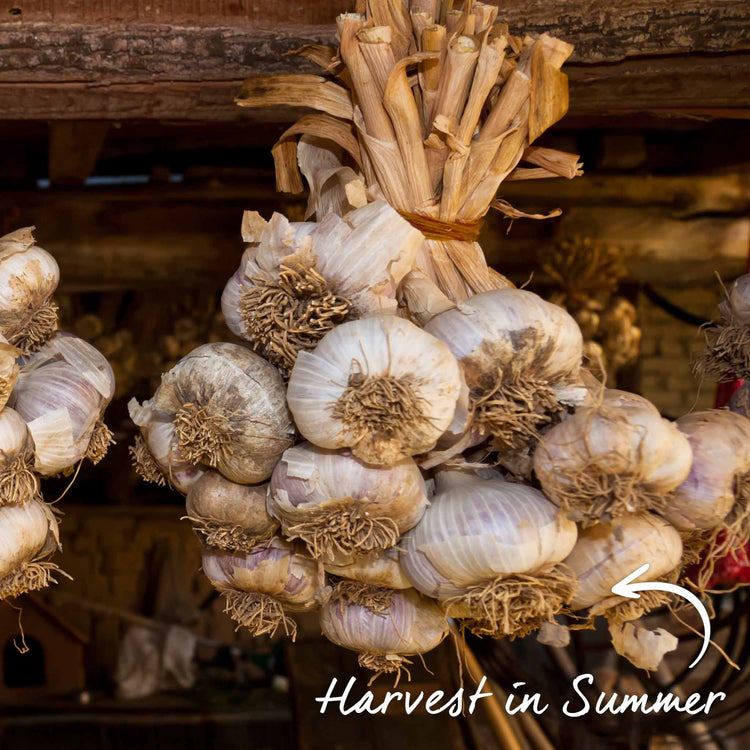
[
  {"x": 720, "y": 442},
  {"x": 228, "y": 409},
  {"x": 18, "y": 483},
  {"x": 490, "y": 550},
  {"x": 380, "y": 386},
  {"x": 8, "y": 369},
  {"x": 316, "y": 275},
  {"x": 229, "y": 516},
  {"x": 61, "y": 393},
  {"x": 336, "y": 503},
  {"x": 29, "y": 276},
  {"x": 740, "y": 401},
  {"x": 736, "y": 304},
  {"x": 380, "y": 568},
  {"x": 28, "y": 534},
  {"x": 604, "y": 554},
  {"x": 520, "y": 355},
  {"x": 614, "y": 456},
  {"x": 411, "y": 624},
  {"x": 156, "y": 456}
]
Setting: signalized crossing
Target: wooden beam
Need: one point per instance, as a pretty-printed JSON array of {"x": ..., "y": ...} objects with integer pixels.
[{"x": 74, "y": 147}]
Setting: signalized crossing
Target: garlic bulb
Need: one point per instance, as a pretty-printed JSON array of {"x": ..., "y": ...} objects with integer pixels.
[
  {"x": 62, "y": 392},
  {"x": 28, "y": 279},
  {"x": 18, "y": 483},
  {"x": 8, "y": 369},
  {"x": 489, "y": 551},
  {"x": 302, "y": 279},
  {"x": 407, "y": 624},
  {"x": 520, "y": 356},
  {"x": 615, "y": 456},
  {"x": 260, "y": 585},
  {"x": 338, "y": 504},
  {"x": 740, "y": 401},
  {"x": 229, "y": 516},
  {"x": 604, "y": 554},
  {"x": 28, "y": 534},
  {"x": 227, "y": 406},
  {"x": 727, "y": 353},
  {"x": 379, "y": 386},
  {"x": 380, "y": 568}
]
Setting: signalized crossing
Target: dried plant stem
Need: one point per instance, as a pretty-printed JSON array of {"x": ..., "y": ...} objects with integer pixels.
[
  {"x": 433, "y": 40},
  {"x": 18, "y": 483},
  {"x": 259, "y": 613},
  {"x": 375, "y": 46},
  {"x": 101, "y": 439}
]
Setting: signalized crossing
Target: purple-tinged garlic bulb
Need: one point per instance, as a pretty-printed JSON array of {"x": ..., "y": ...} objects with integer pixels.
[{"x": 380, "y": 569}]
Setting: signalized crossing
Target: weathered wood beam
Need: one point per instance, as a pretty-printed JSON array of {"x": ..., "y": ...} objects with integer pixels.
[{"x": 74, "y": 147}]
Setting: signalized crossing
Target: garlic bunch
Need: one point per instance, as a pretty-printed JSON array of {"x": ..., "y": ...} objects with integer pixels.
[
  {"x": 615, "y": 455},
  {"x": 229, "y": 516},
  {"x": 727, "y": 353},
  {"x": 490, "y": 550},
  {"x": 228, "y": 410},
  {"x": 520, "y": 355},
  {"x": 28, "y": 279},
  {"x": 61, "y": 392},
  {"x": 335, "y": 503},
  {"x": 604, "y": 554},
  {"x": 302, "y": 279},
  {"x": 261, "y": 585},
  {"x": 156, "y": 456},
  {"x": 8, "y": 369},
  {"x": 379, "y": 386},
  {"x": 28, "y": 535},
  {"x": 405, "y": 624},
  {"x": 18, "y": 483}
]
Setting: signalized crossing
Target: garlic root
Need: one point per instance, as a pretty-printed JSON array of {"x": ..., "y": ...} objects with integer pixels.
[{"x": 261, "y": 614}]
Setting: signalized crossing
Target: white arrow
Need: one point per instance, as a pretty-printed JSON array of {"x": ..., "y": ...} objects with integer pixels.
[{"x": 627, "y": 588}]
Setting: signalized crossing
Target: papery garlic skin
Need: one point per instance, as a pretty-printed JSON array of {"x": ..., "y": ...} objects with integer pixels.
[
  {"x": 318, "y": 275},
  {"x": 28, "y": 534},
  {"x": 227, "y": 515},
  {"x": 411, "y": 625},
  {"x": 342, "y": 393},
  {"x": 477, "y": 530},
  {"x": 736, "y": 304},
  {"x": 336, "y": 503},
  {"x": 163, "y": 462},
  {"x": 8, "y": 369},
  {"x": 380, "y": 568},
  {"x": 617, "y": 455},
  {"x": 720, "y": 442},
  {"x": 740, "y": 401},
  {"x": 61, "y": 393},
  {"x": 18, "y": 483},
  {"x": 29, "y": 276},
  {"x": 229, "y": 411},
  {"x": 604, "y": 554}
]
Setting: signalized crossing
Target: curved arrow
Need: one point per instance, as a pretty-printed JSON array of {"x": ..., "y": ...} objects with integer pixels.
[{"x": 627, "y": 588}]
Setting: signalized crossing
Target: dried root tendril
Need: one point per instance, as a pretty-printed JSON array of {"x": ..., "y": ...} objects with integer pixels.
[
  {"x": 384, "y": 664},
  {"x": 40, "y": 323},
  {"x": 516, "y": 605},
  {"x": 18, "y": 483},
  {"x": 593, "y": 494},
  {"x": 374, "y": 598},
  {"x": 619, "y": 610},
  {"x": 203, "y": 435},
  {"x": 259, "y": 613},
  {"x": 292, "y": 313},
  {"x": 101, "y": 439},
  {"x": 348, "y": 531},
  {"x": 226, "y": 537},
  {"x": 384, "y": 413},
  {"x": 143, "y": 463},
  {"x": 515, "y": 411},
  {"x": 727, "y": 353},
  {"x": 29, "y": 576}
]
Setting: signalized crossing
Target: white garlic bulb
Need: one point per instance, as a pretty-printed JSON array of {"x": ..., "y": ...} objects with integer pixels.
[
  {"x": 62, "y": 392},
  {"x": 8, "y": 369},
  {"x": 380, "y": 568},
  {"x": 261, "y": 585},
  {"x": 521, "y": 358},
  {"x": 227, "y": 405},
  {"x": 229, "y": 516},
  {"x": 490, "y": 551},
  {"x": 18, "y": 483},
  {"x": 302, "y": 279},
  {"x": 615, "y": 456},
  {"x": 28, "y": 279},
  {"x": 719, "y": 476},
  {"x": 604, "y": 554},
  {"x": 379, "y": 385},
  {"x": 28, "y": 535},
  {"x": 405, "y": 624},
  {"x": 335, "y": 503}
]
